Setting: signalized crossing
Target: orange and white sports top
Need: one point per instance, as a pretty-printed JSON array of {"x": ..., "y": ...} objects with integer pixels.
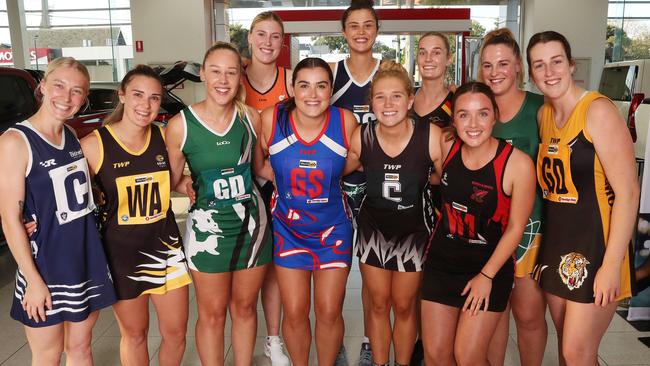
[{"x": 276, "y": 93}]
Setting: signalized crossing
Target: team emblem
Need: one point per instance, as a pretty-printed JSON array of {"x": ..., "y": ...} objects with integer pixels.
[
  {"x": 573, "y": 270},
  {"x": 479, "y": 195},
  {"x": 160, "y": 161}
]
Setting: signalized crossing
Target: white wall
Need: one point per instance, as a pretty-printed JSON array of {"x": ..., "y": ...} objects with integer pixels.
[
  {"x": 172, "y": 30},
  {"x": 582, "y": 22}
]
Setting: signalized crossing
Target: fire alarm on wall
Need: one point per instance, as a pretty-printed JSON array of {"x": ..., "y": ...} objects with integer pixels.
[{"x": 138, "y": 46}]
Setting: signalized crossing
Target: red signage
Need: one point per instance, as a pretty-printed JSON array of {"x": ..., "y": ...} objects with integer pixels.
[
  {"x": 7, "y": 56},
  {"x": 138, "y": 46}
]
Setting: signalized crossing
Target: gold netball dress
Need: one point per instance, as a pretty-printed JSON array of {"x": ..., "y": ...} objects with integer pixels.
[{"x": 577, "y": 208}]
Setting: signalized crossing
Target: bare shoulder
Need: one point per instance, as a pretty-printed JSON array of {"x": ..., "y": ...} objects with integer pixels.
[
  {"x": 602, "y": 107},
  {"x": 288, "y": 76},
  {"x": 350, "y": 119},
  {"x": 12, "y": 142},
  {"x": 520, "y": 160},
  {"x": 253, "y": 115},
  {"x": 89, "y": 142},
  {"x": 13, "y": 149}
]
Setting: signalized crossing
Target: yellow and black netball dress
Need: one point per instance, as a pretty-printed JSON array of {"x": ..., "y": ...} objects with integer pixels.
[
  {"x": 139, "y": 231},
  {"x": 577, "y": 208}
]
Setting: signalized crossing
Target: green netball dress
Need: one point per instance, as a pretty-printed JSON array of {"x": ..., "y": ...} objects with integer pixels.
[
  {"x": 521, "y": 132},
  {"x": 227, "y": 228}
]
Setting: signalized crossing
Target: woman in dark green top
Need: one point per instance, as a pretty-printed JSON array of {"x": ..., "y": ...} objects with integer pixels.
[{"x": 501, "y": 69}]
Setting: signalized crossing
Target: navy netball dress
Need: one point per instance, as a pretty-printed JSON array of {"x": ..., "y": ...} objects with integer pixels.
[
  {"x": 66, "y": 246},
  {"x": 354, "y": 96},
  {"x": 311, "y": 225}
]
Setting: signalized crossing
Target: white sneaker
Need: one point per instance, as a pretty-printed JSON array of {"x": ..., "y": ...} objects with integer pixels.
[{"x": 274, "y": 350}]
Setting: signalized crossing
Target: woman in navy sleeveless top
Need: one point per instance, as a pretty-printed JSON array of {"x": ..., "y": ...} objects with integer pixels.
[
  {"x": 307, "y": 141},
  {"x": 63, "y": 277},
  {"x": 351, "y": 90}
]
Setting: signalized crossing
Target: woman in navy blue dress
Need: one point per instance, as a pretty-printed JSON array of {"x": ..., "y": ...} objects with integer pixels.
[{"x": 63, "y": 277}]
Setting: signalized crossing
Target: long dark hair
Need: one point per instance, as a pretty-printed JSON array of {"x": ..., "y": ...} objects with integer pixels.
[
  {"x": 286, "y": 107},
  {"x": 140, "y": 70}
]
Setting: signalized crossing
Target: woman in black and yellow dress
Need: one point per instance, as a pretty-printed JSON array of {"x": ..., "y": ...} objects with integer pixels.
[
  {"x": 586, "y": 170},
  {"x": 141, "y": 239}
]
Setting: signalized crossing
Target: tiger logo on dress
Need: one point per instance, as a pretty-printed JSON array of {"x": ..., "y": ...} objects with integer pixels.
[{"x": 573, "y": 270}]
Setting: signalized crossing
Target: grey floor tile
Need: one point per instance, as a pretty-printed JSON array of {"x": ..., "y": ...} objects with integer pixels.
[
  {"x": 624, "y": 348},
  {"x": 106, "y": 350}
]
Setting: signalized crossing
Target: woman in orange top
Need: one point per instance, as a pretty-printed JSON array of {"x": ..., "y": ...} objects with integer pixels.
[{"x": 266, "y": 84}]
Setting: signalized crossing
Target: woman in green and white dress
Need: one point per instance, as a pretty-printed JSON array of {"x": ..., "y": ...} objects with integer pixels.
[{"x": 227, "y": 241}]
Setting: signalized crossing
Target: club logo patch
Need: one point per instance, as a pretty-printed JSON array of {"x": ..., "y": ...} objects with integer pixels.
[{"x": 573, "y": 270}]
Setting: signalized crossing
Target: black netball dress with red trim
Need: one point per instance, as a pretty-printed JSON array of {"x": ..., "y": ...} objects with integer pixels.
[{"x": 475, "y": 212}]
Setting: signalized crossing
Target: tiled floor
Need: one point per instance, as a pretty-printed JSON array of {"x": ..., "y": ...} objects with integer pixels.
[{"x": 620, "y": 345}]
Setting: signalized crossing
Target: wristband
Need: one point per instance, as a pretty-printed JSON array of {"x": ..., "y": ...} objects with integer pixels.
[{"x": 486, "y": 276}]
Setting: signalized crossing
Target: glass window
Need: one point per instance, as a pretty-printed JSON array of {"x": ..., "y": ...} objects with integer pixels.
[
  {"x": 617, "y": 82},
  {"x": 628, "y": 30},
  {"x": 96, "y": 32}
]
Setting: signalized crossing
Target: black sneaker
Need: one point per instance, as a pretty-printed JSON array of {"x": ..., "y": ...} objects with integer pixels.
[
  {"x": 365, "y": 355},
  {"x": 341, "y": 358}
]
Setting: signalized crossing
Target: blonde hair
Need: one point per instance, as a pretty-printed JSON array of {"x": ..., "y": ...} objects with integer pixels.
[
  {"x": 391, "y": 69},
  {"x": 267, "y": 15},
  {"x": 68, "y": 62},
  {"x": 444, "y": 38},
  {"x": 240, "y": 96},
  {"x": 505, "y": 37}
]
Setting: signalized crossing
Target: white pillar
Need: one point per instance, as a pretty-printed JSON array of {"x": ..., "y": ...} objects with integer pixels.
[
  {"x": 582, "y": 22},
  {"x": 17, "y": 30},
  {"x": 512, "y": 15}
]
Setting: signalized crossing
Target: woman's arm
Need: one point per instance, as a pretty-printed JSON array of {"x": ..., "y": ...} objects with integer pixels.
[
  {"x": 261, "y": 163},
  {"x": 13, "y": 165},
  {"x": 614, "y": 148},
  {"x": 266, "y": 129},
  {"x": 173, "y": 140},
  {"x": 519, "y": 181},
  {"x": 353, "y": 160},
  {"x": 289, "y": 81}
]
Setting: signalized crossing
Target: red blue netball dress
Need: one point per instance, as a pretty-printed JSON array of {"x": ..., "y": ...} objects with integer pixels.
[{"x": 311, "y": 223}]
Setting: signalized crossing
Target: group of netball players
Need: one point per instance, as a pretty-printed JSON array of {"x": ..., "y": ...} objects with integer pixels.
[{"x": 292, "y": 172}]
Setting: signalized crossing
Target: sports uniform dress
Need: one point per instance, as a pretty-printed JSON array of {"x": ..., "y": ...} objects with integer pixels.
[
  {"x": 441, "y": 117},
  {"x": 139, "y": 231},
  {"x": 227, "y": 227},
  {"x": 392, "y": 232},
  {"x": 353, "y": 96},
  {"x": 521, "y": 132},
  {"x": 474, "y": 217},
  {"x": 276, "y": 93},
  {"x": 577, "y": 208},
  {"x": 66, "y": 247},
  {"x": 311, "y": 226}
]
